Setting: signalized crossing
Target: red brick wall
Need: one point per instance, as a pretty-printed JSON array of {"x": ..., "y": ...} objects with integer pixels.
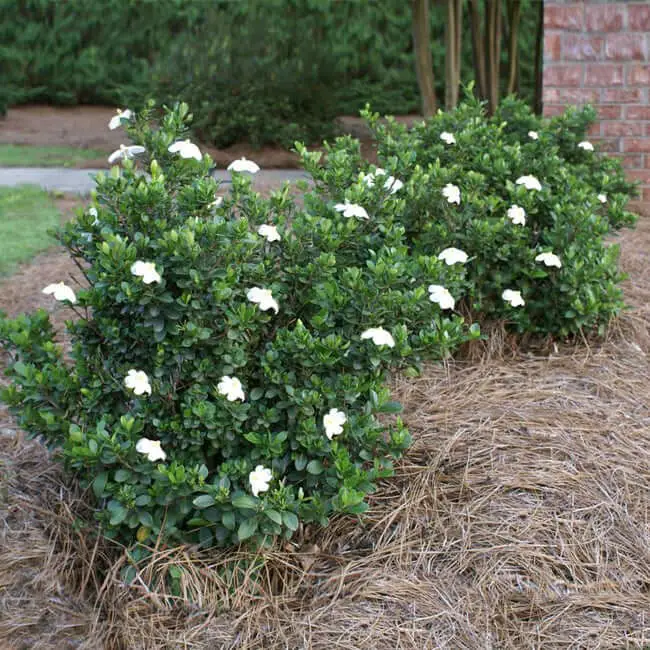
[{"x": 599, "y": 53}]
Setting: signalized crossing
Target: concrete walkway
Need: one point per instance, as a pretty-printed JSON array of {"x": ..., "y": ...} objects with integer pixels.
[{"x": 79, "y": 181}]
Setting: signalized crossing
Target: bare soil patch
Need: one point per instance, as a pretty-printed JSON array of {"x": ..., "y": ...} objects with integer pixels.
[
  {"x": 86, "y": 127},
  {"x": 518, "y": 519}
]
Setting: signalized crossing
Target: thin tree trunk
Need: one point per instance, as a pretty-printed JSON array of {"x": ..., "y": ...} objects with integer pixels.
[
  {"x": 459, "y": 45},
  {"x": 493, "y": 47},
  {"x": 453, "y": 42},
  {"x": 514, "y": 15},
  {"x": 539, "y": 39},
  {"x": 478, "y": 49},
  {"x": 423, "y": 58}
]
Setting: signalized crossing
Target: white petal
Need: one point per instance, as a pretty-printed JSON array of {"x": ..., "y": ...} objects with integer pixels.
[
  {"x": 453, "y": 256},
  {"x": 379, "y": 336},
  {"x": 451, "y": 193},
  {"x": 393, "y": 184},
  {"x": 549, "y": 259},
  {"x": 263, "y": 298},
  {"x": 517, "y": 215},
  {"x": 259, "y": 479},
  {"x": 269, "y": 232},
  {"x": 61, "y": 291},
  {"x": 441, "y": 296},
  {"x": 243, "y": 165},
  {"x": 147, "y": 271},
  {"x": 513, "y": 297}
]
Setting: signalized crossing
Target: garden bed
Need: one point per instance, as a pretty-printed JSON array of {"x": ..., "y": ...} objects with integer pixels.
[
  {"x": 86, "y": 128},
  {"x": 518, "y": 519}
]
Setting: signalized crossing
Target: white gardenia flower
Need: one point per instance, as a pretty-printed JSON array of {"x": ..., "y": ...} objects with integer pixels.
[
  {"x": 448, "y": 137},
  {"x": 333, "y": 422},
  {"x": 116, "y": 120},
  {"x": 146, "y": 271},
  {"x": 529, "y": 182},
  {"x": 243, "y": 165},
  {"x": 533, "y": 135},
  {"x": 517, "y": 215},
  {"x": 263, "y": 298},
  {"x": 379, "y": 336},
  {"x": 586, "y": 145},
  {"x": 61, "y": 291},
  {"x": 602, "y": 198},
  {"x": 549, "y": 259},
  {"x": 231, "y": 388},
  {"x": 125, "y": 152},
  {"x": 138, "y": 382},
  {"x": 391, "y": 183},
  {"x": 217, "y": 202},
  {"x": 259, "y": 479},
  {"x": 441, "y": 296},
  {"x": 453, "y": 256},
  {"x": 351, "y": 210},
  {"x": 451, "y": 193},
  {"x": 513, "y": 297},
  {"x": 186, "y": 149},
  {"x": 151, "y": 448},
  {"x": 270, "y": 233}
]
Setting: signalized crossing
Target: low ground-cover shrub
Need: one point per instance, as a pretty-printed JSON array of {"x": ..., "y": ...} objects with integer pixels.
[
  {"x": 229, "y": 355},
  {"x": 531, "y": 221}
]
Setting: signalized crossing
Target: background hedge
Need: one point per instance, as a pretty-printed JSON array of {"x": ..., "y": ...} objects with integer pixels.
[{"x": 303, "y": 61}]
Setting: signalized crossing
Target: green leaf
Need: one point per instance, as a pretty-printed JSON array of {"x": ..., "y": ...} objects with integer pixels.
[
  {"x": 204, "y": 501},
  {"x": 228, "y": 520},
  {"x": 143, "y": 500},
  {"x": 315, "y": 467},
  {"x": 118, "y": 515},
  {"x": 274, "y": 516},
  {"x": 245, "y": 501},
  {"x": 99, "y": 483},
  {"x": 390, "y": 407},
  {"x": 122, "y": 475},
  {"x": 145, "y": 519},
  {"x": 256, "y": 393},
  {"x": 247, "y": 528},
  {"x": 290, "y": 520}
]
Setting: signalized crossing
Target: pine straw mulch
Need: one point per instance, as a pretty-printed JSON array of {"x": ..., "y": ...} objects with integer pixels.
[{"x": 519, "y": 519}]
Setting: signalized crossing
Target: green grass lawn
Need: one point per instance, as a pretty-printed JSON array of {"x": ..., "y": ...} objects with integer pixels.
[
  {"x": 26, "y": 214},
  {"x": 18, "y": 155}
]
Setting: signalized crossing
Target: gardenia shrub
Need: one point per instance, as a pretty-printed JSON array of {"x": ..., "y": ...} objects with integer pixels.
[
  {"x": 531, "y": 223},
  {"x": 569, "y": 133},
  {"x": 229, "y": 354}
]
